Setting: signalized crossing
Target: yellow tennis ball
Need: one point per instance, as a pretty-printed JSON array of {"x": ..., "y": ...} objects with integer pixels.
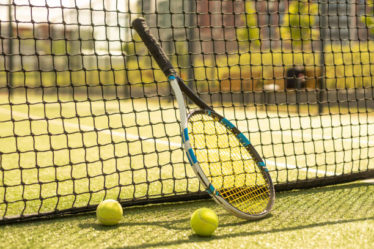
[
  {"x": 204, "y": 221},
  {"x": 109, "y": 212}
]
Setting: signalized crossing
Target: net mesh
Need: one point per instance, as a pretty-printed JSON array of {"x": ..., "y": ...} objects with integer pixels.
[{"x": 86, "y": 114}]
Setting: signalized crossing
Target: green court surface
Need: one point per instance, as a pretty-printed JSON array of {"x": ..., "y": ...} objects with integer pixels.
[
  {"x": 62, "y": 156},
  {"x": 339, "y": 216},
  {"x": 86, "y": 114}
]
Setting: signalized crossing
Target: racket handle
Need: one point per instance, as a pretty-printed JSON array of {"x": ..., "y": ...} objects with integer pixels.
[{"x": 153, "y": 46}]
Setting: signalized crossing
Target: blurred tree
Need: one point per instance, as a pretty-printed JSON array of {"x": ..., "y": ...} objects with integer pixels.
[
  {"x": 298, "y": 22},
  {"x": 250, "y": 32},
  {"x": 368, "y": 19}
]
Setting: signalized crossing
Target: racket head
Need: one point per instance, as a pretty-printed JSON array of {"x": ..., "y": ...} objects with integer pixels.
[{"x": 227, "y": 164}]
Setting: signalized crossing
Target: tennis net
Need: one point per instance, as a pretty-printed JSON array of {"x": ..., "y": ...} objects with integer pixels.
[{"x": 86, "y": 114}]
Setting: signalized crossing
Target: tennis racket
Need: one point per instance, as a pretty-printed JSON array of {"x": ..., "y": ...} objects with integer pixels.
[{"x": 223, "y": 159}]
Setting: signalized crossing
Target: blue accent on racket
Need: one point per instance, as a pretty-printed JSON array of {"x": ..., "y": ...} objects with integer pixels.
[
  {"x": 185, "y": 135},
  {"x": 171, "y": 77},
  {"x": 243, "y": 139},
  {"x": 211, "y": 190},
  {"x": 192, "y": 155},
  {"x": 227, "y": 123},
  {"x": 189, "y": 159},
  {"x": 263, "y": 165}
]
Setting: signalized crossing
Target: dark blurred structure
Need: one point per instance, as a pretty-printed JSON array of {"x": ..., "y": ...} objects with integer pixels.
[{"x": 296, "y": 78}]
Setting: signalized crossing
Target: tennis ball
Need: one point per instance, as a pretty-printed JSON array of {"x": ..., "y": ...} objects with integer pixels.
[
  {"x": 109, "y": 212},
  {"x": 204, "y": 221}
]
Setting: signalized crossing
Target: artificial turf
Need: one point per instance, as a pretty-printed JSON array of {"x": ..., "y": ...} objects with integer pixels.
[{"x": 340, "y": 216}]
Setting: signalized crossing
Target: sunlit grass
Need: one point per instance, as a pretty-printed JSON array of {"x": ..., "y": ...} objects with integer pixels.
[{"x": 331, "y": 217}]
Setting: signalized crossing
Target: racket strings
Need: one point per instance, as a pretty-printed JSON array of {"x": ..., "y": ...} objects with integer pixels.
[
  {"x": 248, "y": 198},
  {"x": 228, "y": 165}
]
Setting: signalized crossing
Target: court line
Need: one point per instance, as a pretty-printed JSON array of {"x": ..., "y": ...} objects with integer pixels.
[
  {"x": 146, "y": 139},
  {"x": 290, "y": 166},
  {"x": 371, "y": 181}
]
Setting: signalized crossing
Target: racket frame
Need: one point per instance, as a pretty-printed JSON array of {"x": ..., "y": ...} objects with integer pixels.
[
  {"x": 242, "y": 139},
  {"x": 196, "y": 166},
  {"x": 178, "y": 86}
]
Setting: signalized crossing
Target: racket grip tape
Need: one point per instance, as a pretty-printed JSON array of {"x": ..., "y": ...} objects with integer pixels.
[{"x": 153, "y": 46}]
